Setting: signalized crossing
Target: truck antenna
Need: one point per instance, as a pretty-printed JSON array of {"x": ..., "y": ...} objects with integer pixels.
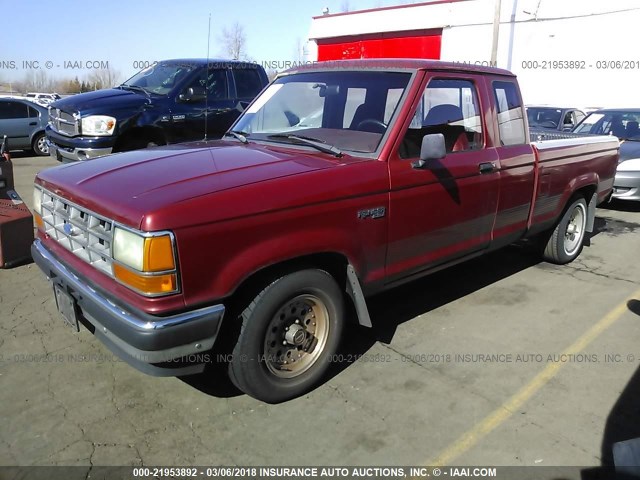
[{"x": 206, "y": 84}]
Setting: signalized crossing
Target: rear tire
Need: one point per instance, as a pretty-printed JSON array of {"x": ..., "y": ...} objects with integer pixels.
[
  {"x": 567, "y": 239},
  {"x": 39, "y": 145},
  {"x": 289, "y": 332}
]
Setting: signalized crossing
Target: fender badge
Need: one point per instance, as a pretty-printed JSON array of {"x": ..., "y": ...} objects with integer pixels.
[
  {"x": 377, "y": 212},
  {"x": 68, "y": 229}
]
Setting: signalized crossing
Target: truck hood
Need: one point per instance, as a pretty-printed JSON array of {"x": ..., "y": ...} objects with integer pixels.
[
  {"x": 130, "y": 185},
  {"x": 102, "y": 102}
]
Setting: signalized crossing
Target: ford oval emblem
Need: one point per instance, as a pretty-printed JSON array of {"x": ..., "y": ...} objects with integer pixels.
[{"x": 68, "y": 229}]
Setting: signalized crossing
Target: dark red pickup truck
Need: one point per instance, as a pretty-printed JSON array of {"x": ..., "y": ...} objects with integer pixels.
[{"x": 340, "y": 180}]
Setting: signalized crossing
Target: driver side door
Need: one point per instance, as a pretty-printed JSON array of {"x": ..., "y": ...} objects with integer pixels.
[
  {"x": 203, "y": 103},
  {"x": 444, "y": 210}
]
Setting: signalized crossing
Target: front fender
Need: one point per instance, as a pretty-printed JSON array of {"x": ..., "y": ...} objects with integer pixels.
[
  {"x": 282, "y": 249},
  {"x": 215, "y": 259}
]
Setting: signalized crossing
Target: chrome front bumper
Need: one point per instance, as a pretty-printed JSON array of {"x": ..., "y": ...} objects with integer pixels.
[
  {"x": 63, "y": 154},
  {"x": 626, "y": 186},
  {"x": 161, "y": 346}
]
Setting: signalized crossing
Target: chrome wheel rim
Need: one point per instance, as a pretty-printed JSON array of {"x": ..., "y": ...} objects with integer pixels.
[
  {"x": 296, "y": 336},
  {"x": 575, "y": 229},
  {"x": 42, "y": 145}
]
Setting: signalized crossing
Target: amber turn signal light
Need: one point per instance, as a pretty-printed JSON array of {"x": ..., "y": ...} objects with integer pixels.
[
  {"x": 38, "y": 220},
  {"x": 146, "y": 284},
  {"x": 158, "y": 254}
]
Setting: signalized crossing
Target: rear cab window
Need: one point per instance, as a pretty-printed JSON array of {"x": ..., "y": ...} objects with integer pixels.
[
  {"x": 510, "y": 113},
  {"x": 248, "y": 82}
]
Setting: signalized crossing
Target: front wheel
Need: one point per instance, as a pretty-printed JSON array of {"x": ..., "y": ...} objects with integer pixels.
[
  {"x": 566, "y": 240},
  {"x": 39, "y": 144},
  {"x": 289, "y": 332}
]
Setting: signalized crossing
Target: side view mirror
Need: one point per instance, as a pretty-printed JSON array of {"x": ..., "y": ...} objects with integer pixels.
[
  {"x": 193, "y": 94},
  {"x": 433, "y": 148}
]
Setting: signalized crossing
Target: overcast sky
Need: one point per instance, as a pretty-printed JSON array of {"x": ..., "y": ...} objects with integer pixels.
[{"x": 62, "y": 35}]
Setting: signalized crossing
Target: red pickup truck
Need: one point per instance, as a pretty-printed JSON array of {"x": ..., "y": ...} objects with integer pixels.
[{"x": 340, "y": 180}]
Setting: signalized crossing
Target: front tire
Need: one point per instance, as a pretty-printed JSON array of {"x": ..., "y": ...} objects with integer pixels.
[
  {"x": 566, "y": 241},
  {"x": 289, "y": 332},
  {"x": 39, "y": 145}
]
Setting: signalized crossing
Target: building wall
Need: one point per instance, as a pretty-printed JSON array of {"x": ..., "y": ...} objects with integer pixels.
[{"x": 538, "y": 41}]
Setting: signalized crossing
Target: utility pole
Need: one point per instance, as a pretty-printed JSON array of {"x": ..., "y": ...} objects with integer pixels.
[{"x": 496, "y": 33}]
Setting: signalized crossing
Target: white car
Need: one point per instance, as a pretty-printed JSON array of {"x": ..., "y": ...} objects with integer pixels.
[{"x": 43, "y": 98}]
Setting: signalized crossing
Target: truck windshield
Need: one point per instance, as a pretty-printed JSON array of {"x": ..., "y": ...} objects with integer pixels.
[
  {"x": 160, "y": 78},
  {"x": 622, "y": 124},
  {"x": 350, "y": 110}
]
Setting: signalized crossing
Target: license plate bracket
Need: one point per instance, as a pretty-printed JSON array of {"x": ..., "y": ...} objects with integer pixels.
[{"x": 67, "y": 307}]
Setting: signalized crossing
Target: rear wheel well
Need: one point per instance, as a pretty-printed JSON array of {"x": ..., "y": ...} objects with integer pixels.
[
  {"x": 586, "y": 192},
  {"x": 139, "y": 137}
]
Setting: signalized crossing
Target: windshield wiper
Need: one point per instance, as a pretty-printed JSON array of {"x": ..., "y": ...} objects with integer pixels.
[
  {"x": 242, "y": 136},
  {"x": 136, "y": 87},
  {"x": 311, "y": 142}
]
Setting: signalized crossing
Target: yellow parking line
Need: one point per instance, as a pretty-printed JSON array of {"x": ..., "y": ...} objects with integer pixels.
[{"x": 470, "y": 438}]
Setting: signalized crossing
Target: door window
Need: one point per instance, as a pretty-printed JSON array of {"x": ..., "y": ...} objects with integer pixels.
[
  {"x": 355, "y": 98},
  {"x": 449, "y": 107},
  {"x": 13, "y": 110},
  {"x": 214, "y": 84},
  {"x": 568, "y": 119}
]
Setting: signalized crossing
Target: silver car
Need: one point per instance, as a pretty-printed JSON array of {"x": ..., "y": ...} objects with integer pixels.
[
  {"x": 23, "y": 122},
  {"x": 624, "y": 123}
]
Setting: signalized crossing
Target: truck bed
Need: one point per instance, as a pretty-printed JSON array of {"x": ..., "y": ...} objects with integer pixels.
[{"x": 584, "y": 159}]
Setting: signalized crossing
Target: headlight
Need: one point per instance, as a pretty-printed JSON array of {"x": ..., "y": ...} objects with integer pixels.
[
  {"x": 37, "y": 200},
  {"x": 99, "y": 125},
  {"x": 128, "y": 248},
  {"x": 37, "y": 207},
  {"x": 145, "y": 263}
]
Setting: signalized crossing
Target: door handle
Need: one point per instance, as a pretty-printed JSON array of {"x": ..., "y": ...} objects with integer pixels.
[
  {"x": 33, "y": 124},
  {"x": 487, "y": 167}
]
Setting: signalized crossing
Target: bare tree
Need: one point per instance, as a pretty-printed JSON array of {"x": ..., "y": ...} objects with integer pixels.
[
  {"x": 105, "y": 78},
  {"x": 234, "y": 42},
  {"x": 298, "y": 51},
  {"x": 37, "y": 81},
  {"x": 345, "y": 6}
]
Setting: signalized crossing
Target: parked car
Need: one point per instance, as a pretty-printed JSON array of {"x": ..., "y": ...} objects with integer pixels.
[
  {"x": 624, "y": 124},
  {"x": 24, "y": 122},
  {"x": 277, "y": 229},
  {"x": 554, "y": 118},
  {"x": 171, "y": 101},
  {"x": 43, "y": 98}
]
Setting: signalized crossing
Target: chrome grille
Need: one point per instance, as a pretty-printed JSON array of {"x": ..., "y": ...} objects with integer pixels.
[
  {"x": 63, "y": 122},
  {"x": 82, "y": 232}
]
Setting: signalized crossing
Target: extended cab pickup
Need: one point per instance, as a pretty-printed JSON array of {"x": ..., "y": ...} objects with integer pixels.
[
  {"x": 168, "y": 102},
  {"x": 340, "y": 180}
]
